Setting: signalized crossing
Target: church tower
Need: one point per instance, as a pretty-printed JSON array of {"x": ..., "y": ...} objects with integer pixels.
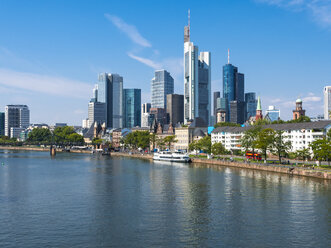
[{"x": 259, "y": 115}]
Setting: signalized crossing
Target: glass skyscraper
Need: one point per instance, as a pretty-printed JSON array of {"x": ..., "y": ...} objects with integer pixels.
[
  {"x": 273, "y": 113},
  {"x": 132, "y": 107},
  {"x": 110, "y": 92},
  {"x": 234, "y": 90},
  {"x": 251, "y": 104},
  {"x": 2, "y": 123},
  {"x": 16, "y": 117},
  {"x": 197, "y": 84},
  {"x": 162, "y": 85}
]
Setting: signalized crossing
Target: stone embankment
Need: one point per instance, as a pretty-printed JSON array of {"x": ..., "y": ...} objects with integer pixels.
[
  {"x": 273, "y": 168},
  {"x": 317, "y": 173}
]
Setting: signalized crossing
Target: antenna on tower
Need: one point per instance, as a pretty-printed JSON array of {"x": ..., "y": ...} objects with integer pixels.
[
  {"x": 189, "y": 16},
  {"x": 228, "y": 56}
]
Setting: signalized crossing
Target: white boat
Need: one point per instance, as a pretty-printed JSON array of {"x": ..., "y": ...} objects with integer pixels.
[{"x": 172, "y": 157}]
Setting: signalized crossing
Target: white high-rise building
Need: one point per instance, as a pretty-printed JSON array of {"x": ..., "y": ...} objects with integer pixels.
[
  {"x": 327, "y": 102},
  {"x": 197, "y": 81},
  {"x": 16, "y": 117}
]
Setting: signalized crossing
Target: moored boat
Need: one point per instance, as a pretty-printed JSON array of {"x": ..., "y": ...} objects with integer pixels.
[{"x": 172, "y": 156}]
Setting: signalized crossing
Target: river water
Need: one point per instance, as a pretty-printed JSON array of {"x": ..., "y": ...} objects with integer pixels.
[{"x": 84, "y": 200}]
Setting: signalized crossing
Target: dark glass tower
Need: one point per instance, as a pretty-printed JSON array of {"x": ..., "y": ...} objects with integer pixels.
[{"x": 132, "y": 107}]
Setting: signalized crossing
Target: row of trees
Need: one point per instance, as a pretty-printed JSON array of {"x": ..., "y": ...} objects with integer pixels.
[
  {"x": 269, "y": 140},
  {"x": 206, "y": 146},
  {"x": 60, "y": 135}
]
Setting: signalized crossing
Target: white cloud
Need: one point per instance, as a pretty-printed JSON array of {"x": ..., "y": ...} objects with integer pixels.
[
  {"x": 312, "y": 99},
  {"x": 44, "y": 84},
  {"x": 320, "y": 10},
  {"x": 148, "y": 62},
  {"x": 130, "y": 30}
]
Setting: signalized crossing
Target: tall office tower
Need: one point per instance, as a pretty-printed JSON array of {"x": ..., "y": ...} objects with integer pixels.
[
  {"x": 217, "y": 95},
  {"x": 327, "y": 102},
  {"x": 96, "y": 113},
  {"x": 237, "y": 112},
  {"x": 2, "y": 123},
  {"x": 17, "y": 117},
  {"x": 175, "y": 108},
  {"x": 197, "y": 84},
  {"x": 251, "y": 104},
  {"x": 272, "y": 113},
  {"x": 146, "y": 119},
  {"x": 132, "y": 107},
  {"x": 145, "y": 107},
  {"x": 233, "y": 89},
  {"x": 110, "y": 91},
  {"x": 159, "y": 114},
  {"x": 162, "y": 85}
]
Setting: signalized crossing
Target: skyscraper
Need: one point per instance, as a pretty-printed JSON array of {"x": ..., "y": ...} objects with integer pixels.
[
  {"x": 132, "y": 107},
  {"x": 175, "y": 108},
  {"x": 272, "y": 113},
  {"x": 162, "y": 85},
  {"x": 327, "y": 102},
  {"x": 17, "y": 118},
  {"x": 146, "y": 119},
  {"x": 234, "y": 90},
  {"x": 2, "y": 123},
  {"x": 197, "y": 84},
  {"x": 217, "y": 95},
  {"x": 96, "y": 112},
  {"x": 251, "y": 104},
  {"x": 110, "y": 92}
]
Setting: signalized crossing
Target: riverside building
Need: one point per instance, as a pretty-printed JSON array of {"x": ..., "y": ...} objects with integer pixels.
[
  {"x": 17, "y": 119},
  {"x": 301, "y": 135}
]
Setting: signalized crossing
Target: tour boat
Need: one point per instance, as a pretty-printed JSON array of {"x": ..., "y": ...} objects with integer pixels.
[{"x": 172, "y": 156}]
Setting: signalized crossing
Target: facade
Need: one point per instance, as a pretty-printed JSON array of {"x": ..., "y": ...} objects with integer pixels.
[
  {"x": 96, "y": 113},
  {"x": 234, "y": 90},
  {"x": 132, "y": 107},
  {"x": 162, "y": 85},
  {"x": 237, "y": 112},
  {"x": 301, "y": 135},
  {"x": 16, "y": 116},
  {"x": 146, "y": 118},
  {"x": 110, "y": 92},
  {"x": 272, "y": 114},
  {"x": 251, "y": 104},
  {"x": 175, "y": 108},
  {"x": 197, "y": 81},
  {"x": 327, "y": 102},
  {"x": 159, "y": 115},
  {"x": 2, "y": 123},
  {"x": 298, "y": 112},
  {"x": 217, "y": 95}
]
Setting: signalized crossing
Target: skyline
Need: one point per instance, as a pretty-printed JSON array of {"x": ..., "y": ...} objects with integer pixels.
[{"x": 54, "y": 65}]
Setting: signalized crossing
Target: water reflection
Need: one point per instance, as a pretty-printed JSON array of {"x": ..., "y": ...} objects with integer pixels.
[{"x": 98, "y": 201}]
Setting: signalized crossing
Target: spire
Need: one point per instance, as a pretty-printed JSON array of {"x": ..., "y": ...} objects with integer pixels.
[
  {"x": 228, "y": 56},
  {"x": 187, "y": 29},
  {"x": 259, "y": 106},
  {"x": 189, "y": 18}
]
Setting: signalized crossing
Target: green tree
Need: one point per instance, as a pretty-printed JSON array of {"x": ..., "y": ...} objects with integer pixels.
[
  {"x": 169, "y": 140},
  {"x": 40, "y": 135},
  {"x": 205, "y": 144},
  {"x": 130, "y": 140},
  {"x": 97, "y": 141},
  {"x": 262, "y": 122},
  {"x": 75, "y": 138},
  {"x": 250, "y": 137},
  {"x": 264, "y": 140},
  {"x": 194, "y": 146},
  {"x": 143, "y": 139},
  {"x": 279, "y": 145},
  {"x": 328, "y": 135},
  {"x": 303, "y": 154},
  {"x": 321, "y": 149},
  {"x": 160, "y": 143},
  {"x": 300, "y": 119},
  {"x": 153, "y": 140},
  {"x": 218, "y": 149}
]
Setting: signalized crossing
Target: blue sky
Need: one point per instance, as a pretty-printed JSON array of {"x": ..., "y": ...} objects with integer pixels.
[{"x": 52, "y": 51}]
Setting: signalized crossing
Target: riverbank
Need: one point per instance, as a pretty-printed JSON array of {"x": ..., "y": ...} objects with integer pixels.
[{"x": 307, "y": 172}]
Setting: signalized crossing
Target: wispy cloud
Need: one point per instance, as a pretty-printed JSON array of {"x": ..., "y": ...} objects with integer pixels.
[
  {"x": 43, "y": 84},
  {"x": 130, "y": 30},
  {"x": 320, "y": 10},
  {"x": 148, "y": 62}
]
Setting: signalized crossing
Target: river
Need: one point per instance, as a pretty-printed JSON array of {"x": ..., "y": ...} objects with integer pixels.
[{"x": 84, "y": 200}]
